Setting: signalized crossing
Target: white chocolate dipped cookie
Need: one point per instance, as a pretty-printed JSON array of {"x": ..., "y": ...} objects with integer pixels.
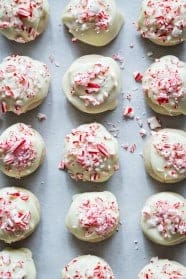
[
  {"x": 163, "y": 218},
  {"x": 92, "y": 21},
  {"x": 22, "y": 150},
  {"x": 92, "y": 83},
  {"x": 164, "y": 86},
  {"x": 93, "y": 216},
  {"x": 87, "y": 266},
  {"x": 24, "y": 84},
  {"x": 90, "y": 153},
  {"x": 163, "y": 269},
  {"x": 163, "y": 22},
  {"x": 165, "y": 155},
  {"x": 19, "y": 215},
  {"x": 17, "y": 264},
  {"x": 23, "y": 21}
]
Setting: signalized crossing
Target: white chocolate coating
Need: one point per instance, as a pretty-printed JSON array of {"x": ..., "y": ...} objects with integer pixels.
[
  {"x": 90, "y": 153},
  {"x": 22, "y": 150},
  {"x": 165, "y": 155},
  {"x": 87, "y": 266},
  {"x": 17, "y": 264},
  {"x": 163, "y": 218},
  {"x": 163, "y": 22},
  {"x": 163, "y": 269},
  {"x": 24, "y": 84},
  {"x": 23, "y": 21},
  {"x": 93, "y": 216},
  {"x": 164, "y": 85},
  {"x": 92, "y": 21},
  {"x": 92, "y": 83},
  {"x": 19, "y": 215}
]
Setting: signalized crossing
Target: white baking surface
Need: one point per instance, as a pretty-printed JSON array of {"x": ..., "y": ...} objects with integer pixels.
[{"x": 51, "y": 244}]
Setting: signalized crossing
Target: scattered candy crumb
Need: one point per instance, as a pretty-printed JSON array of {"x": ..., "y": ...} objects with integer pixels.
[
  {"x": 56, "y": 64},
  {"x": 129, "y": 97},
  {"x": 131, "y": 45},
  {"x": 118, "y": 58},
  {"x": 139, "y": 121},
  {"x": 128, "y": 112},
  {"x": 125, "y": 146},
  {"x": 61, "y": 165},
  {"x": 53, "y": 61},
  {"x": 132, "y": 148},
  {"x": 153, "y": 123},
  {"x": 150, "y": 53},
  {"x": 74, "y": 40},
  {"x": 142, "y": 132},
  {"x": 41, "y": 116},
  {"x": 137, "y": 76}
]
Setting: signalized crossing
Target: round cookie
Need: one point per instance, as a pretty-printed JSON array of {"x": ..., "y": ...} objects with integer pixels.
[
  {"x": 24, "y": 84},
  {"x": 163, "y": 22},
  {"x": 163, "y": 218},
  {"x": 19, "y": 215},
  {"x": 90, "y": 153},
  {"x": 94, "y": 216},
  {"x": 93, "y": 22},
  {"x": 163, "y": 269},
  {"x": 22, "y": 150},
  {"x": 92, "y": 83},
  {"x": 17, "y": 263},
  {"x": 87, "y": 266},
  {"x": 165, "y": 155},
  {"x": 23, "y": 21},
  {"x": 164, "y": 85}
]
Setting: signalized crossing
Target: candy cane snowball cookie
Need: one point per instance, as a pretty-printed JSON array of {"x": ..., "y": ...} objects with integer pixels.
[
  {"x": 22, "y": 150},
  {"x": 165, "y": 155},
  {"x": 19, "y": 215},
  {"x": 163, "y": 22},
  {"x": 92, "y": 83},
  {"x": 23, "y": 21},
  {"x": 24, "y": 84},
  {"x": 163, "y": 269},
  {"x": 93, "y": 216},
  {"x": 17, "y": 264},
  {"x": 164, "y": 86},
  {"x": 87, "y": 266},
  {"x": 163, "y": 218},
  {"x": 93, "y": 22},
  {"x": 90, "y": 153}
]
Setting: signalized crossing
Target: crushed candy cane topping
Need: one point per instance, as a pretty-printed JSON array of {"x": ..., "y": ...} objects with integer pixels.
[
  {"x": 174, "y": 155},
  {"x": 166, "y": 83},
  {"x": 169, "y": 218},
  {"x": 21, "y": 80},
  {"x": 99, "y": 271},
  {"x": 98, "y": 216},
  {"x": 91, "y": 14},
  {"x": 88, "y": 149},
  {"x": 91, "y": 86},
  {"x": 167, "y": 270},
  {"x": 13, "y": 220},
  {"x": 164, "y": 20},
  {"x": 9, "y": 268},
  {"x": 22, "y": 16},
  {"x": 16, "y": 150}
]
